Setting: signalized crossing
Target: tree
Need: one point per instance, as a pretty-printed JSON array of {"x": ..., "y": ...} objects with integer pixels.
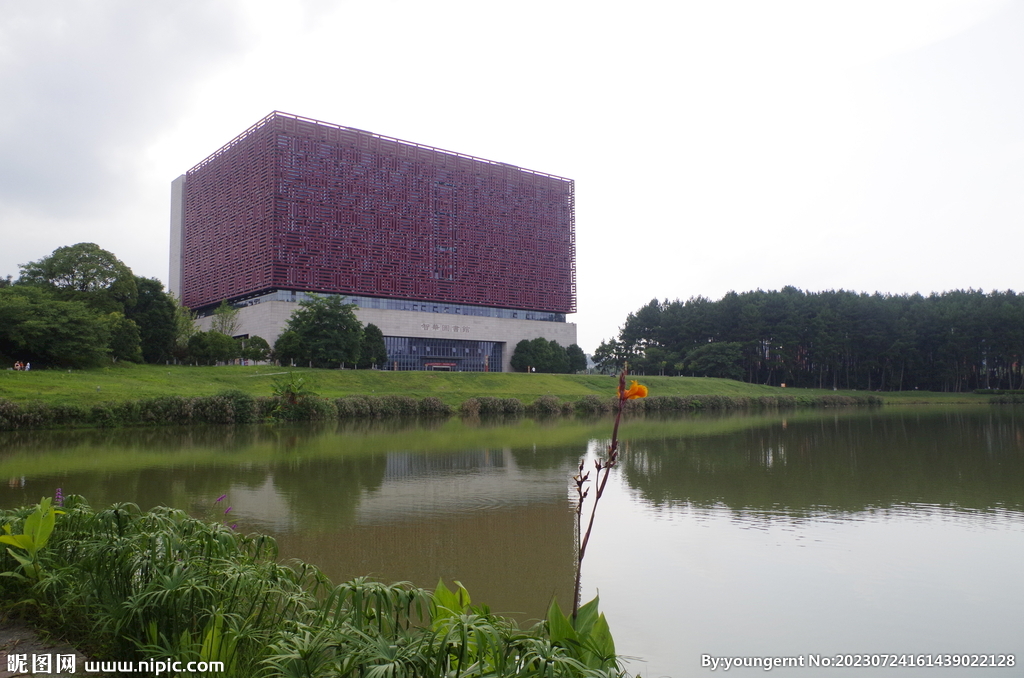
[
  {"x": 541, "y": 355},
  {"x": 254, "y": 348},
  {"x": 124, "y": 341},
  {"x": 184, "y": 329},
  {"x": 641, "y": 328},
  {"x": 523, "y": 357},
  {"x": 209, "y": 348},
  {"x": 288, "y": 348},
  {"x": 328, "y": 332},
  {"x": 577, "y": 358},
  {"x": 154, "y": 313},
  {"x": 717, "y": 359},
  {"x": 37, "y": 328},
  {"x": 373, "y": 351},
  {"x": 85, "y": 272},
  {"x": 557, "y": 359},
  {"x": 225, "y": 319},
  {"x": 610, "y": 356}
]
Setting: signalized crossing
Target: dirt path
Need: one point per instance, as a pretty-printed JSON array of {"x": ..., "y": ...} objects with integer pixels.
[{"x": 16, "y": 640}]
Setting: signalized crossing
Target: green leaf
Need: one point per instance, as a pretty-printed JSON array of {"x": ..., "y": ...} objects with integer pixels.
[
  {"x": 601, "y": 642},
  {"x": 449, "y": 603},
  {"x": 585, "y": 618},
  {"x": 462, "y": 596},
  {"x": 560, "y": 628},
  {"x": 39, "y": 525},
  {"x": 25, "y": 562},
  {"x": 19, "y": 540}
]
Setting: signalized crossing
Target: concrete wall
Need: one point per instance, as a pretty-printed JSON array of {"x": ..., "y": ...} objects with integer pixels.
[
  {"x": 268, "y": 319},
  {"x": 177, "y": 235}
]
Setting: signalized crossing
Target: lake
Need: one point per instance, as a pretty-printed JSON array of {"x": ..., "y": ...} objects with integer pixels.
[{"x": 803, "y": 536}]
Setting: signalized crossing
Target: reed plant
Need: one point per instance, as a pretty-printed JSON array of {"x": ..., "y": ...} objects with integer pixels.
[{"x": 127, "y": 584}]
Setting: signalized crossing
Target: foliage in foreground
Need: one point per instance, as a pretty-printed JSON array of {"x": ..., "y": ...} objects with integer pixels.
[{"x": 130, "y": 584}]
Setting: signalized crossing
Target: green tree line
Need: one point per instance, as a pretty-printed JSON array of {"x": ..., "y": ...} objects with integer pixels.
[
  {"x": 81, "y": 307},
  {"x": 954, "y": 341},
  {"x": 547, "y": 356}
]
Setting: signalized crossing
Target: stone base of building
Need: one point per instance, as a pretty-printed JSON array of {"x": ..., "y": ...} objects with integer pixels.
[{"x": 422, "y": 340}]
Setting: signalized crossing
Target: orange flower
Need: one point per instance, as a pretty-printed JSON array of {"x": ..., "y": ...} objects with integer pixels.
[{"x": 635, "y": 391}]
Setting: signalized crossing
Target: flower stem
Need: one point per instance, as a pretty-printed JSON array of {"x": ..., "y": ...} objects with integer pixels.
[{"x": 601, "y": 480}]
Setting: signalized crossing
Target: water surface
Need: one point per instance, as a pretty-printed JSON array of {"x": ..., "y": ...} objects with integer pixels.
[{"x": 861, "y": 531}]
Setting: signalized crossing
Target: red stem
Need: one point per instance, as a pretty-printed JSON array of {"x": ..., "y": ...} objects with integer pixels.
[{"x": 601, "y": 482}]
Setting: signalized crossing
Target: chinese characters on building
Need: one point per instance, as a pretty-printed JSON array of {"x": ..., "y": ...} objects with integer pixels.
[{"x": 437, "y": 327}]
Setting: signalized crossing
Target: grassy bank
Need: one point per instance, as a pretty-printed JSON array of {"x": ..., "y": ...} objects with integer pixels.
[
  {"x": 128, "y": 585},
  {"x": 132, "y": 382}
]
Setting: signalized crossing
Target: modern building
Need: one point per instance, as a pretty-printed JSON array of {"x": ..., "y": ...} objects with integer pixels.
[{"x": 454, "y": 257}]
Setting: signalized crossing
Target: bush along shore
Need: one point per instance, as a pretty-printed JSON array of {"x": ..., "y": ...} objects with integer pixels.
[
  {"x": 1003, "y": 396},
  {"x": 237, "y": 407},
  {"x": 127, "y": 585}
]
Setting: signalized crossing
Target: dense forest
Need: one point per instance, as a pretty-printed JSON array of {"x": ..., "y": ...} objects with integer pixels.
[{"x": 954, "y": 341}]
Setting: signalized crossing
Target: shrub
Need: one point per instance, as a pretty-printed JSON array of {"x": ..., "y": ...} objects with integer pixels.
[
  {"x": 431, "y": 406},
  {"x": 166, "y": 410},
  {"x": 307, "y": 408},
  {"x": 68, "y": 415},
  {"x": 352, "y": 407},
  {"x": 243, "y": 406},
  {"x": 213, "y": 410},
  {"x": 128, "y": 412},
  {"x": 398, "y": 406},
  {"x": 512, "y": 406},
  {"x": 238, "y": 407},
  {"x": 546, "y": 406},
  {"x": 103, "y": 415},
  {"x": 470, "y": 407},
  {"x": 592, "y": 404},
  {"x": 787, "y": 402},
  {"x": 266, "y": 406},
  {"x": 36, "y": 415},
  {"x": 490, "y": 405},
  {"x": 10, "y": 415}
]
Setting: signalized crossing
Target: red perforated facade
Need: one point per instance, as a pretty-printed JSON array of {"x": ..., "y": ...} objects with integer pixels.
[{"x": 298, "y": 204}]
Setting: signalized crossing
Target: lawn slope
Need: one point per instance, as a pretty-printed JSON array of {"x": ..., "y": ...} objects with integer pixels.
[{"x": 129, "y": 382}]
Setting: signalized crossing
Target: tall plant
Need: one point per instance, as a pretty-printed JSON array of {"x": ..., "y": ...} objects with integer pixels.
[
  {"x": 36, "y": 532},
  {"x": 602, "y": 468},
  {"x": 159, "y": 584}
]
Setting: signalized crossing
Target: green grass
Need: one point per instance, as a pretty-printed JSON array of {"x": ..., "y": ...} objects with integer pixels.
[{"x": 129, "y": 382}]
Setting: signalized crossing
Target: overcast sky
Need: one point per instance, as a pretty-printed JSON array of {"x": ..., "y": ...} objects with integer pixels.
[{"x": 716, "y": 145}]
